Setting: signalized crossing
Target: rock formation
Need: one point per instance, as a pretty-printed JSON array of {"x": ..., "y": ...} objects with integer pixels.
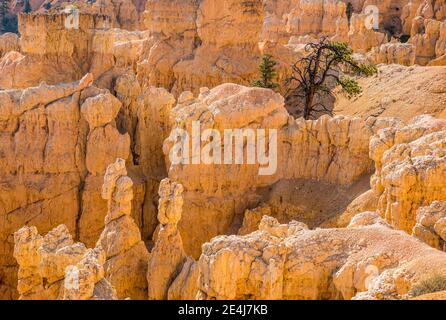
[
  {"x": 263, "y": 206},
  {"x": 386, "y": 94},
  {"x": 168, "y": 258},
  {"x": 218, "y": 196},
  {"x": 410, "y": 168},
  {"x": 126, "y": 254},
  {"x": 124, "y": 14},
  {"x": 214, "y": 41},
  {"x": 53, "y": 267},
  {"x": 431, "y": 223},
  {"x": 8, "y": 42},
  {"x": 292, "y": 262}
]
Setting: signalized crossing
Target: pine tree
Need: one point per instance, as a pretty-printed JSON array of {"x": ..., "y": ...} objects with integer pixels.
[
  {"x": 267, "y": 73},
  {"x": 27, "y": 7},
  {"x": 325, "y": 60}
]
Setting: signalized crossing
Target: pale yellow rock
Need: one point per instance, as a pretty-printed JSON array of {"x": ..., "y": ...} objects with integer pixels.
[
  {"x": 85, "y": 281},
  {"x": 425, "y": 34},
  {"x": 394, "y": 52},
  {"x": 153, "y": 127},
  {"x": 431, "y": 225},
  {"x": 100, "y": 110},
  {"x": 167, "y": 257},
  {"x": 252, "y": 219},
  {"x": 367, "y": 201},
  {"x": 410, "y": 171},
  {"x": 228, "y": 50},
  {"x": 416, "y": 90},
  {"x": 54, "y": 267},
  {"x": 41, "y": 164},
  {"x": 126, "y": 254},
  {"x": 309, "y": 150},
  {"x": 306, "y": 264},
  {"x": 104, "y": 145}
]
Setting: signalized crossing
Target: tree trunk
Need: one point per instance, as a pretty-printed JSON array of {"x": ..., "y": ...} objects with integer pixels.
[{"x": 308, "y": 105}]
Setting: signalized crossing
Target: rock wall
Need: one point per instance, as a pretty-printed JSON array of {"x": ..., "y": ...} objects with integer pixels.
[
  {"x": 410, "y": 168},
  {"x": 168, "y": 258},
  {"x": 431, "y": 223},
  {"x": 332, "y": 150},
  {"x": 53, "y": 267},
  {"x": 8, "y": 42},
  {"x": 57, "y": 142},
  {"x": 123, "y": 14},
  {"x": 365, "y": 26},
  {"x": 215, "y": 42},
  {"x": 126, "y": 254},
  {"x": 52, "y": 51},
  {"x": 292, "y": 262}
]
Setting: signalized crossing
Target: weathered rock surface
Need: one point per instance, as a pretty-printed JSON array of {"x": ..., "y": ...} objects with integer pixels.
[
  {"x": 168, "y": 256},
  {"x": 410, "y": 169},
  {"x": 311, "y": 150},
  {"x": 53, "y": 267},
  {"x": 126, "y": 254},
  {"x": 366, "y": 260},
  {"x": 53, "y": 50},
  {"x": 58, "y": 137},
  {"x": 366, "y": 25},
  {"x": 431, "y": 225},
  {"x": 123, "y": 14},
  {"x": 215, "y": 42}
]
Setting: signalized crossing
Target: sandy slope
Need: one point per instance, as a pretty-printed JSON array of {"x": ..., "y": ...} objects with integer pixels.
[{"x": 399, "y": 91}]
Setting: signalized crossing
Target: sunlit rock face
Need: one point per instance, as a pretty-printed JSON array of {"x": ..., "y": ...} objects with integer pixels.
[
  {"x": 205, "y": 44},
  {"x": 53, "y": 267},
  {"x": 309, "y": 150},
  {"x": 342, "y": 207},
  {"x": 123, "y": 14},
  {"x": 365, "y": 25},
  {"x": 291, "y": 262},
  {"x": 410, "y": 167},
  {"x": 126, "y": 255}
]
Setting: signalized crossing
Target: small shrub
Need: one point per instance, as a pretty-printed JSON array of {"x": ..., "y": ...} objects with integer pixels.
[
  {"x": 267, "y": 73},
  {"x": 435, "y": 284}
]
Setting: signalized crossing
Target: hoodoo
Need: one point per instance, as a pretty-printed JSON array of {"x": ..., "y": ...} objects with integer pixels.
[{"x": 222, "y": 150}]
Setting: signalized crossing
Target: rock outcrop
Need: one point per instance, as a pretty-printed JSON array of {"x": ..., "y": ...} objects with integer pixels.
[
  {"x": 416, "y": 90},
  {"x": 53, "y": 267},
  {"x": 215, "y": 42},
  {"x": 168, "y": 258},
  {"x": 123, "y": 14},
  {"x": 91, "y": 45},
  {"x": 8, "y": 42},
  {"x": 41, "y": 164},
  {"x": 212, "y": 190},
  {"x": 431, "y": 225},
  {"x": 292, "y": 262},
  {"x": 365, "y": 25},
  {"x": 311, "y": 150},
  {"x": 126, "y": 254},
  {"x": 410, "y": 169}
]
